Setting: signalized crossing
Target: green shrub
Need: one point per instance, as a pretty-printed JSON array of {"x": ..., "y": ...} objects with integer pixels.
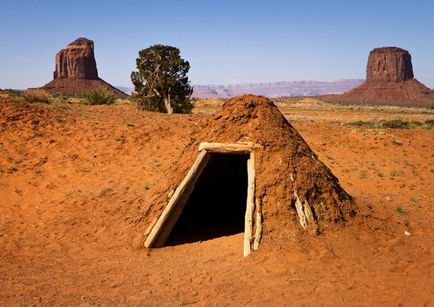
[
  {"x": 400, "y": 210},
  {"x": 36, "y": 95},
  {"x": 393, "y": 124},
  {"x": 61, "y": 98},
  {"x": 396, "y": 124},
  {"x": 100, "y": 96}
]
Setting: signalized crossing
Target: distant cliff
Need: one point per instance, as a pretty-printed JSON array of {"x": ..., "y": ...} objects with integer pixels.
[
  {"x": 272, "y": 89},
  {"x": 276, "y": 89}
]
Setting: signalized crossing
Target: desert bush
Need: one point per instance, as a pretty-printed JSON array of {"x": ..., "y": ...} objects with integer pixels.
[
  {"x": 430, "y": 123},
  {"x": 61, "y": 98},
  {"x": 36, "y": 95},
  {"x": 400, "y": 210},
  {"x": 12, "y": 92},
  {"x": 396, "y": 124},
  {"x": 393, "y": 124},
  {"x": 100, "y": 96}
]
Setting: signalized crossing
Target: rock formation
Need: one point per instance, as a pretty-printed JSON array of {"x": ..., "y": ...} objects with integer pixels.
[
  {"x": 389, "y": 64},
  {"x": 77, "y": 60},
  {"x": 389, "y": 80},
  {"x": 76, "y": 71}
]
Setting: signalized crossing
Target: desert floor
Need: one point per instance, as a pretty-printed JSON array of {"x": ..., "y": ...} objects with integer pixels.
[{"x": 71, "y": 174}]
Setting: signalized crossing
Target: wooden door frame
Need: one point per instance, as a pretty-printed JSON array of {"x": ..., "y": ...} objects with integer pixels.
[{"x": 160, "y": 230}]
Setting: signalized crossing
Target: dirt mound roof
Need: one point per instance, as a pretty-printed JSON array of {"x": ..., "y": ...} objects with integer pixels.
[
  {"x": 389, "y": 80},
  {"x": 287, "y": 170}
]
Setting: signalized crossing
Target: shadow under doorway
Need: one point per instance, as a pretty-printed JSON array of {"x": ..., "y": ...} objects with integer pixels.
[{"x": 217, "y": 205}]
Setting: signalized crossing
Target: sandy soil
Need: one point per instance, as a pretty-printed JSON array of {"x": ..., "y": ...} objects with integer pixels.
[{"x": 70, "y": 174}]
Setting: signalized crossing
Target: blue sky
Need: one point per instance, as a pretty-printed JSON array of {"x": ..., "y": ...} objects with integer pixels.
[{"x": 225, "y": 41}]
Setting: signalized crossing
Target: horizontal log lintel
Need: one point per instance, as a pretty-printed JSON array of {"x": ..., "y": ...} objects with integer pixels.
[{"x": 241, "y": 148}]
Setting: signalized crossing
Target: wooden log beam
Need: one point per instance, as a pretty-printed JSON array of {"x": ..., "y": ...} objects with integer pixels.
[
  {"x": 258, "y": 225},
  {"x": 305, "y": 215},
  {"x": 240, "y": 148},
  {"x": 189, "y": 180},
  {"x": 248, "y": 219}
]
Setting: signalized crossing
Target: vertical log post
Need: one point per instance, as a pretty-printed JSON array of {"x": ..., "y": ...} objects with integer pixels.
[
  {"x": 166, "y": 215},
  {"x": 258, "y": 224},
  {"x": 248, "y": 220}
]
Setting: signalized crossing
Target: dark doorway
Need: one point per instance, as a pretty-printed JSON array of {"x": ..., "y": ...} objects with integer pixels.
[{"x": 217, "y": 205}]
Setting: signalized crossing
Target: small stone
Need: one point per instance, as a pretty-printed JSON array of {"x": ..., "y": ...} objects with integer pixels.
[{"x": 407, "y": 233}]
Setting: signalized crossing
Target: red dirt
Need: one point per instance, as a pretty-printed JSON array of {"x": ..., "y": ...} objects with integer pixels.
[{"x": 71, "y": 176}]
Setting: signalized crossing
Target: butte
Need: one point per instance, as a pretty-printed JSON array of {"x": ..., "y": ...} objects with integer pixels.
[
  {"x": 389, "y": 81},
  {"x": 76, "y": 71}
]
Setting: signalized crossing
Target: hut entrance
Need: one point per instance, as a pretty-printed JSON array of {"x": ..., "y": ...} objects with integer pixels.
[
  {"x": 217, "y": 205},
  {"x": 216, "y": 198}
]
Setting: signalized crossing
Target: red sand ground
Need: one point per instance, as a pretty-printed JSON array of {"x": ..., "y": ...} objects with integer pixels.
[{"x": 70, "y": 177}]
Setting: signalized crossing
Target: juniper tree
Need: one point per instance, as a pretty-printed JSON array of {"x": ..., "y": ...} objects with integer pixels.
[{"x": 161, "y": 83}]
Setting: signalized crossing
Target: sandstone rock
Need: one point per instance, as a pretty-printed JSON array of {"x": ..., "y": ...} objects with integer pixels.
[
  {"x": 76, "y": 71},
  {"x": 389, "y": 64},
  {"x": 77, "y": 60},
  {"x": 389, "y": 80}
]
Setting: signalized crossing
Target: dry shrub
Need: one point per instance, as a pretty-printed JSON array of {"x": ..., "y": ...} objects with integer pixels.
[
  {"x": 36, "y": 95},
  {"x": 393, "y": 124}
]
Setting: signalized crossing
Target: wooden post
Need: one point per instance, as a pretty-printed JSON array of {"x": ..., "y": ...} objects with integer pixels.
[
  {"x": 258, "y": 225},
  {"x": 192, "y": 175},
  {"x": 240, "y": 148},
  {"x": 160, "y": 229},
  {"x": 248, "y": 219},
  {"x": 305, "y": 215},
  {"x": 148, "y": 230}
]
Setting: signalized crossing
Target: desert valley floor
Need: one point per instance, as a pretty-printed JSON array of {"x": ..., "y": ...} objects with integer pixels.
[{"x": 73, "y": 177}]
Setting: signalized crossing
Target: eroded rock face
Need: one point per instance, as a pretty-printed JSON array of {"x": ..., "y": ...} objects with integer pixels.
[
  {"x": 76, "y": 72},
  {"x": 389, "y": 81},
  {"x": 77, "y": 60},
  {"x": 389, "y": 64}
]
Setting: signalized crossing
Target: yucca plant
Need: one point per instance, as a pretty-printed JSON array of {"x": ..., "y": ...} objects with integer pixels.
[{"x": 99, "y": 96}]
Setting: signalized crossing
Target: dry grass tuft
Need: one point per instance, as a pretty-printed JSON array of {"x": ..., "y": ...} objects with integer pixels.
[{"x": 36, "y": 95}]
